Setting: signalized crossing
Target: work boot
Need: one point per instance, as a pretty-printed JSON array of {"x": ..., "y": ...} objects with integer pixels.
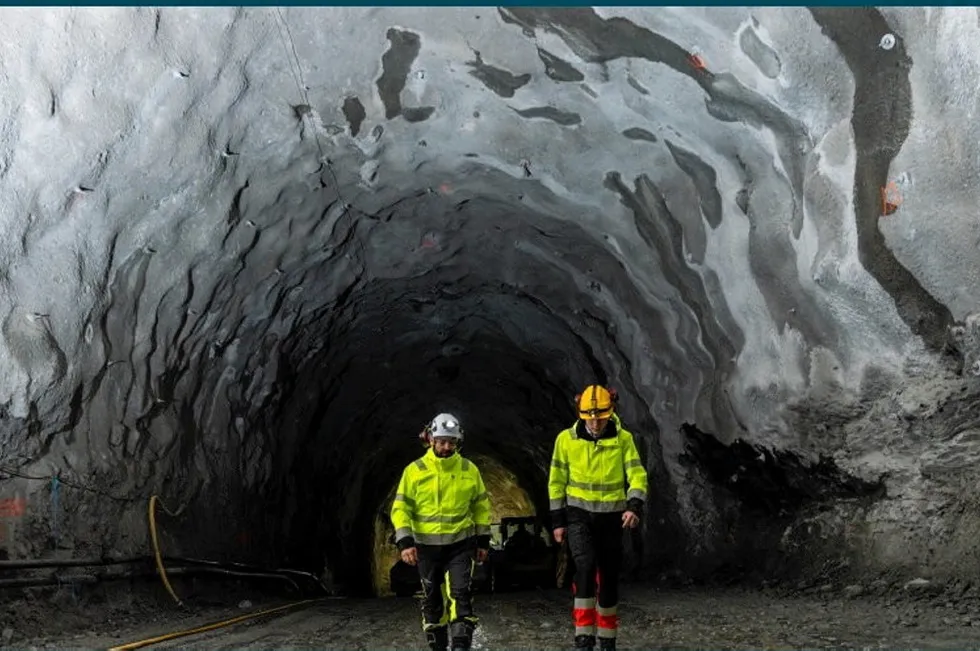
[
  {"x": 584, "y": 642},
  {"x": 462, "y": 635},
  {"x": 607, "y": 643},
  {"x": 438, "y": 639}
]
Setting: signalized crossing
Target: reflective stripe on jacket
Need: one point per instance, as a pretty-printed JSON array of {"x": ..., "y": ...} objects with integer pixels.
[
  {"x": 440, "y": 501},
  {"x": 593, "y": 474}
]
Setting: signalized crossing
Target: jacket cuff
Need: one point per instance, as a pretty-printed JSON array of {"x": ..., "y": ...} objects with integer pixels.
[
  {"x": 405, "y": 543},
  {"x": 558, "y": 519},
  {"x": 483, "y": 542},
  {"x": 635, "y": 505}
]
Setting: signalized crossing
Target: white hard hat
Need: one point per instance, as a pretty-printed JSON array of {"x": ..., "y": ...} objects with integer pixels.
[{"x": 446, "y": 425}]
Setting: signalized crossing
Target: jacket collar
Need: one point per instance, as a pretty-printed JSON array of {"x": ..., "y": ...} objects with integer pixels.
[
  {"x": 439, "y": 463},
  {"x": 610, "y": 431}
]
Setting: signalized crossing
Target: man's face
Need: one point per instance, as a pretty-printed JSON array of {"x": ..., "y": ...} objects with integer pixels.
[
  {"x": 444, "y": 446},
  {"x": 595, "y": 425}
]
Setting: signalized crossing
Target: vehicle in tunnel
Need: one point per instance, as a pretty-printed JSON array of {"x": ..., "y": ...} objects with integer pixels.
[
  {"x": 527, "y": 558},
  {"x": 522, "y": 556}
]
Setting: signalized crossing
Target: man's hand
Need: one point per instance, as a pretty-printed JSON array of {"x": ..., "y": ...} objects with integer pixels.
[
  {"x": 559, "y": 534},
  {"x": 481, "y": 555},
  {"x": 410, "y": 556},
  {"x": 630, "y": 520}
]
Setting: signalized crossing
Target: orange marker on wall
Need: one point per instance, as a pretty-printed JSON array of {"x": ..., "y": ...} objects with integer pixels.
[
  {"x": 697, "y": 61},
  {"x": 891, "y": 198}
]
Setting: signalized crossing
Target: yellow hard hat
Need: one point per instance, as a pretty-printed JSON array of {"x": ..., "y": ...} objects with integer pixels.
[{"x": 595, "y": 402}]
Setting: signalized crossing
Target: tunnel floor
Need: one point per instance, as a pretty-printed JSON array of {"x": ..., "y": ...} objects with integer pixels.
[{"x": 653, "y": 618}]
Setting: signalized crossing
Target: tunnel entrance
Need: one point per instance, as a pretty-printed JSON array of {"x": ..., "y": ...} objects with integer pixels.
[
  {"x": 493, "y": 309},
  {"x": 255, "y": 273},
  {"x": 509, "y": 497},
  {"x": 471, "y": 324}
]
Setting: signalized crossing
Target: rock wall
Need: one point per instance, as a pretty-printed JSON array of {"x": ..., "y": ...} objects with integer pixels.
[{"x": 250, "y": 251}]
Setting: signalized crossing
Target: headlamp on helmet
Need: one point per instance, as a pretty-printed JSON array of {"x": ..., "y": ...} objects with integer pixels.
[
  {"x": 596, "y": 402},
  {"x": 446, "y": 426}
]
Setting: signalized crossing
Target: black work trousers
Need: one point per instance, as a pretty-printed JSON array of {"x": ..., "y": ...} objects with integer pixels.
[
  {"x": 595, "y": 541},
  {"x": 446, "y": 572}
]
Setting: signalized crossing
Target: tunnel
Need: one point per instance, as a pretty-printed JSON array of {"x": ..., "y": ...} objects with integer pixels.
[{"x": 250, "y": 252}]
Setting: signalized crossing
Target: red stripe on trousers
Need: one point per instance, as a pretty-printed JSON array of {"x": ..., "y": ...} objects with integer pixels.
[
  {"x": 609, "y": 622},
  {"x": 584, "y": 616}
]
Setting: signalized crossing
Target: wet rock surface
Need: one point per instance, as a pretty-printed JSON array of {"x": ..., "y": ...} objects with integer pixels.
[
  {"x": 243, "y": 278},
  {"x": 668, "y": 618}
]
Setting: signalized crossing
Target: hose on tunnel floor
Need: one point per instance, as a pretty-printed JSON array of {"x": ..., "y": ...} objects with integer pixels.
[
  {"x": 158, "y": 557},
  {"x": 207, "y": 627},
  {"x": 154, "y": 500}
]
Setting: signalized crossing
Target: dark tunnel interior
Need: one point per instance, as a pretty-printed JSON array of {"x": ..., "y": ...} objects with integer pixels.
[
  {"x": 248, "y": 290},
  {"x": 433, "y": 349},
  {"x": 472, "y": 323}
]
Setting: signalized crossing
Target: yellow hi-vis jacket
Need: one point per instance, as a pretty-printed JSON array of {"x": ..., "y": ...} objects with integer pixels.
[
  {"x": 439, "y": 502},
  {"x": 593, "y": 474}
]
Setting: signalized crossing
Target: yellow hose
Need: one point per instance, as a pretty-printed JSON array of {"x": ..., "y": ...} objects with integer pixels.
[
  {"x": 206, "y": 627},
  {"x": 156, "y": 544}
]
